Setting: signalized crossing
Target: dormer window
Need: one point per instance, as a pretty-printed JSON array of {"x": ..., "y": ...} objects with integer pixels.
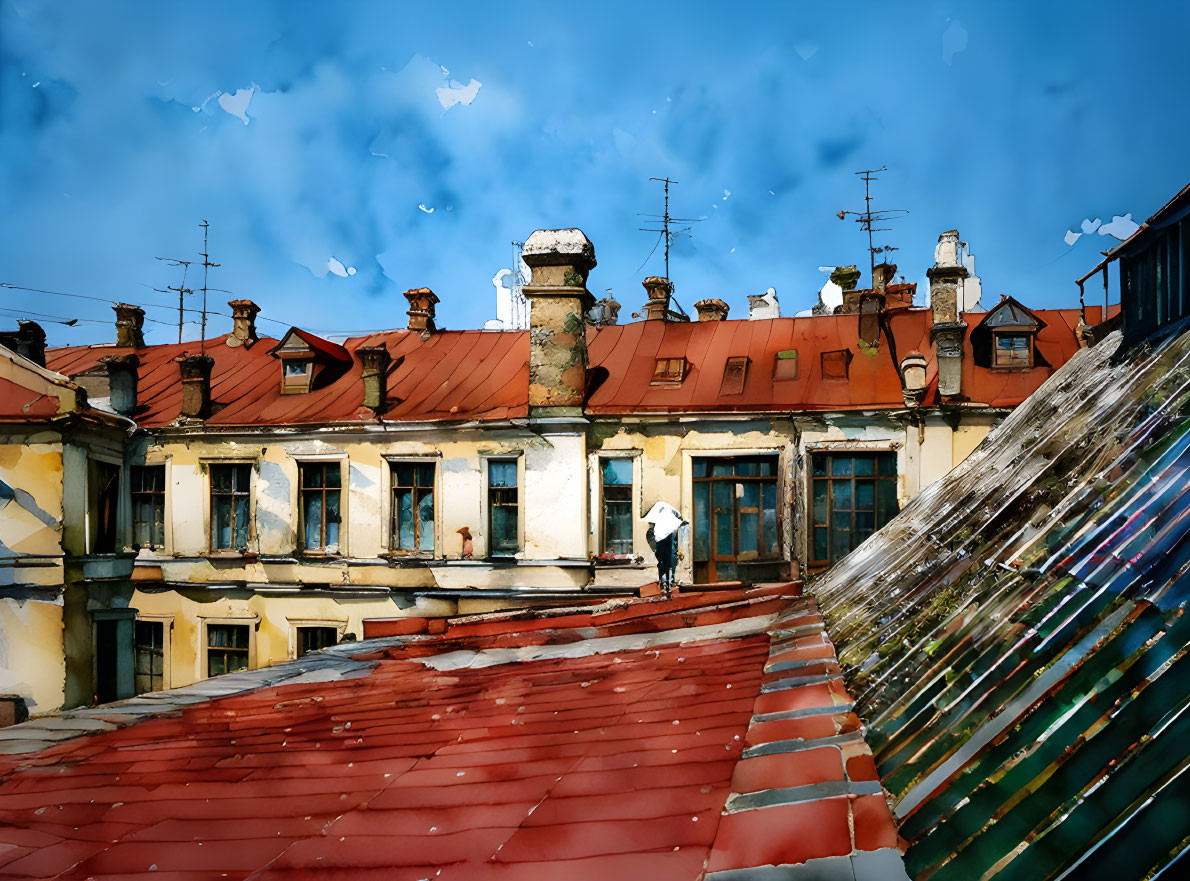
[
  {"x": 309, "y": 362},
  {"x": 1013, "y": 330},
  {"x": 669, "y": 371}
]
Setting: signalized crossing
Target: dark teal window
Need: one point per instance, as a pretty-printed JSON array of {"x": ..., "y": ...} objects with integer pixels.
[
  {"x": 503, "y": 507},
  {"x": 413, "y": 506},
  {"x": 854, "y": 494},
  {"x": 617, "y": 505},
  {"x": 230, "y": 487}
]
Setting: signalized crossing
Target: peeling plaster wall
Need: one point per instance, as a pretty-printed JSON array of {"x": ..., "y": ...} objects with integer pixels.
[{"x": 32, "y": 652}]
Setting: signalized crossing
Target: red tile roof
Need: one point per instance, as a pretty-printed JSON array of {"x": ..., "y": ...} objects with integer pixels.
[
  {"x": 665, "y": 754},
  {"x": 484, "y": 375}
]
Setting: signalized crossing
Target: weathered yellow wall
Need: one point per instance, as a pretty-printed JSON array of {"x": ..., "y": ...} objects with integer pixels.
[
  {"x": 31, "y": 508},
  {"x": 32, "y": 655}
]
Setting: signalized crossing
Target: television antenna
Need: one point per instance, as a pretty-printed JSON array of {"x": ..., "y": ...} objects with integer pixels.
[
  {"x": 666, "y": 221},
  {"x": 868, "y": 218}
]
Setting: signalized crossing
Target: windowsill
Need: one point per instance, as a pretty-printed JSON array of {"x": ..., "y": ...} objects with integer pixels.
[
  {"x": 621, "y": 560},
  {"x": 229, "y": 554},
  {"x": 319, "y": 555},
  {"x": 1020, "y": 369}
]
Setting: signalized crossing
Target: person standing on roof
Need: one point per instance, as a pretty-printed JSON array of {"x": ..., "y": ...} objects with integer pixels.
[{"x": 664, "y": 521}]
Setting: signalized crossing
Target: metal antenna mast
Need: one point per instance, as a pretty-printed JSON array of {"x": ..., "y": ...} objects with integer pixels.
[
  {"x": 867, "y": 218},
  {"x": 181, "y": 290},
  {"x": 206, "y": 264},
  {"x": 666, "y": 220}
]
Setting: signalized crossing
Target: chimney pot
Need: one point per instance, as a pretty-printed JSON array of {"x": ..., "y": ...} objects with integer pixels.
[
  {"x": 196, "y": 385},
  {"x": 129, "y": 323},
  {"x": 659, "y": 291},
  {"x": 421, "y": 310},
  {"x": 560, "y": 260},
  {"x": 243, "y": 316},
  {"x": 375, "y": 361},
  {"x": 122, "y": 381},
  {"x": 884, "y": 273},
  {"x": 711, "y": 309}
]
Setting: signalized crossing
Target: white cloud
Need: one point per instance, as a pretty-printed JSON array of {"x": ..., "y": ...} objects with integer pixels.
[
  {"x": 236, "y": 103},
  {"x": 1072, "y": 237},
  {"x": 339, "y": 269},
  {"x": 1120, "y": 227},
  {"x": 726, "y": 195},
  {"x": 425, "y": 209},
  {"x": 456, "y": 93}
]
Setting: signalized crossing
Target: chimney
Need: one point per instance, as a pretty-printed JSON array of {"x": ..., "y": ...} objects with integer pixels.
[
  {"x": 560, "y": 260},
  {"x": 659, "y": 291},
  {"x": 913, "y": 378},
  {"x": 196, "y": 385},
  {"x": 763, "y": 306},
  {"x": 605, "y": 313},
  {"x": 243, "y": 316},
  {"x": 883, "y": 275},
  {"x": 122, "y": 382},
  {"x": 711, "y": 309},
  {"x": 949, "y": 331},
  {"x": 129, "y": 321},
  {"x": 375, "y": 361},
  {"x": 421, "y": 310},
  {"x": 28, "y": 341}
]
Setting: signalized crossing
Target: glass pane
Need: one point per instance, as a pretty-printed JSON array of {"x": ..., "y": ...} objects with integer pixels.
[
  {"x": 865, "y": 525},
  {"x": 504, "y": 528},
  {"x": 749, "y": 495},
  {"x": 502, "y": 473},
  {"x": 886, "y": 502},
  {"x": 617, "y": 524},
  {"x": 159, "y": 527},
  {"x": 158, "y": 666},
  {"x": 425, "y": 474},
  {"x": 312, "y": 518},
  {"x": 221, "y": 523},
  {"x": 237, "y": 661},
  {"x": 242, "y": 473},
  {"x": 721, "y": 469},
  {"x": 404, "y": 507},
  {"x": 426, "y": 514},
  {"x": 333, "y": 475},
  {"x": 617, "y": 472},
  {"x": 722, "y": 496},
  {"x": 841, "y": 466},
  {"x": 700, "y": 467},
  {"x": 820, "y": 543},
  {"x": 747, "y": 468},
  {"x": 749, "y": 529},
  {"x": 312, "y": 475},
  {"x": 221, "y": 478},
  {"x": 865, "y": 495},
  {"x": 865, "y": 465},
  {"x": 332, "y": 518},
  {"x": 724, "y": 540},
  {"x": 402, "y": 474},
  {"x": 841, "y": 494},
  {"x": 216, "y": 664},
  {"x": 769, "y": 522},
  {"x": 840, "y": 543},
  {"x": 822, "y": 490},
  {"x": 768, "y": 467},
  {"x": 702, "y": 520},
  {"x": 819, "y": 464},
  {"x": 143, "y": 664},
  {"x": 725, "y": 571},
  {"x": 887, "y": 463},
  {"x": 241, "y": 519}
]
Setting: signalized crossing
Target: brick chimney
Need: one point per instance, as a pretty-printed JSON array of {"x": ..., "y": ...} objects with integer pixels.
[
  {"x": 949, "y": 331},
  {"x": 196, "y": 385},
  {"x": 28, "y": 341},
  {"x": 375, "y": 361},
  {"x": 883, "y": 275},
  {"x": 560, "y": 260},
  {"x": 913, "y": 378},
  {"x": 129, "y": 323},
  {"x": 243, "y": 317},
  {"x": 421, "y": 310},
  {"x": 711, "y": 309},
  {"x": 659, "y": 290},
  {"x": 122, "y": 381}
]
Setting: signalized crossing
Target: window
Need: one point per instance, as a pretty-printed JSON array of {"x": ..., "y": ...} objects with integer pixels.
[
  {"x": 105, "y": 502},
  {"x": 320, "y": 492},
  {"x": 148, "y": 506},
  {"x": 503, "y": 507},
  {"x": 734, "y": 374},
  {"x": 854, "y": 494},
  {"x": 149, "y": 659},
  {"x": 229, "y": 506},
  {"x": 412, "y": 507},
  {"x": 311, "y": 639},
  {"x": 1012, "y": 350},
  {"x": 835, "y": 364},
  {"x": 785, "y": 365},
  {"x": 617, "y": 505},
  {"x": 296, "y": 374},
  {"x": 669, "y": 371},
  {"x": 227, "y": 648},
  {"x": 735, "y": 514}
]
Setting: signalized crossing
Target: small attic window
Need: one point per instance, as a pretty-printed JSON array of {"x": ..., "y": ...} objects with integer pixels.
[
  {"x": 309, "y": 362},
  {"x": 1014, "y": 330},
  {"x": 1012, "y": 349},
  {"x": 669, "y": 371},
  {"x": 734, "y": 374},
  {"x": 835, "y": 364},
  {"x": 785, "y": 365},
  {"x": 296, "y": 374}
]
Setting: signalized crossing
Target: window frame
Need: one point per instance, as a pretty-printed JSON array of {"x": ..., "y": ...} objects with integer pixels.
[
  {"x": 709, "y": 567},
  {"x": 327, "y": 466},
  {"x": 392, "y": 538},
  {"x": 252, "y": 622},
  {"x": 517, "y": 460},
  {"x": 97, "y": 537},
  {"x": 669, "y": 371},
  {"x": 166, "y": 620},
  {"x": 296, "y": 624},
  {"x": 1029, "y": 334},
  {"x": 601, "y": 461},
  {"x": 156, "y": 502},
  {"x": 250, "y": 538},
  {"x": 813, "y": 562}
]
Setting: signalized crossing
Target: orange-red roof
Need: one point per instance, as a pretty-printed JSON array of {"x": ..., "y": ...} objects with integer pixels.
[{"x": 484, "y": 375}]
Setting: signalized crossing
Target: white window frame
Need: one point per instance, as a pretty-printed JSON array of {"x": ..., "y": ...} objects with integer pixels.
[
  {"x": 386, "y": 506},
  {"x": 295, "y": 624}
]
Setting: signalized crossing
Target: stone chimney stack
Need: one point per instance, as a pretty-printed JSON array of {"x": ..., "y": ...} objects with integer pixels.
[
  {"x": 122, "y": 381},
  {"x": 659, "y": 290},
  {"x": 421, "y": 310},
  {"x": 129, "y": 323},
  {"x": 243, "y": 316},
  {"x": 560, "y": 260},
  {"x": 196, "y": 385},
  {"x": 949, "y": 331},
  {"x": 375, "y": 361},
  {"x": 711, "y": 309}
]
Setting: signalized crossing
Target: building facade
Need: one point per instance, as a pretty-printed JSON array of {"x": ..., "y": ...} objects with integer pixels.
[{"x": 273, "y": 494}]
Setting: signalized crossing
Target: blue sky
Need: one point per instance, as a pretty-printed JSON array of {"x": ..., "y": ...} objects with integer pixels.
[{"x": 306, "y": 132}]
